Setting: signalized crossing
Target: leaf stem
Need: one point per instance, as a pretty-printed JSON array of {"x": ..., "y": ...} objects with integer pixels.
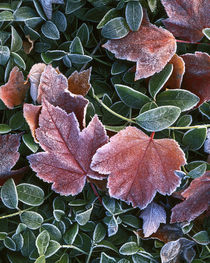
[
  {"x": 95, "y": 192},
  {"x": 113, "y": 112},
  {"x": 152, "y": 135},
  {"x": 15, "y": 172},
  {"x": 73, "y": 247},
  {"x": 89, "y": 254},
  {"x": 16, "y": 213},
  {"x": 190, "y": 127},
  {"x": 188, "y": 42}
]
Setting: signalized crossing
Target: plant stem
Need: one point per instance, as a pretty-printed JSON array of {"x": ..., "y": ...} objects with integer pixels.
[
  {"x": 190, "y": 127},
  {"x": 95, "y": 192},
  {"x": 113, "y": 112},
  {"x": 73, "y": 247},
  {"x": 15, "y": 172},
  {"x": 152, "y": 135},
  {"x": 188, "y": 42},
  {"x": 89, "y": 254},
  {"x": 16, "y": 213}
]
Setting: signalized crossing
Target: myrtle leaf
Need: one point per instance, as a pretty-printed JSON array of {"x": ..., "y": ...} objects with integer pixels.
[{"x": 47, "y": 6}]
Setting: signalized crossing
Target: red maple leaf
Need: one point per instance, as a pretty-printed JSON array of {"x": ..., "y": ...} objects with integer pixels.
[
  {"x": 187, "y": 19},
  {"x": 151, "y": 47},
  {"x": 68, "y": 152},
  {"x": 138, "y": 166},
  {"x": 197, "y": 75},
  {"x": 197, "y": 197}
]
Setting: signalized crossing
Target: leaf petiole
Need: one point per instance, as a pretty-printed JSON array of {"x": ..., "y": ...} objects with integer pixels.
[{"x": 190, "y": 127}]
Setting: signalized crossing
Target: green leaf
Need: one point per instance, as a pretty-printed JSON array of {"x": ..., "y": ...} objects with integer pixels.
[
  {"x": 30, "y": 194},
  {"x": 40, "y": 259},
  {"x": 42, "y": 242},
  {"x": 24, "y": 13},
  {"x": 29, "y": 243},
  {"x": 18, "y": 239},
  {"x": 152, "y": 5},
  {"x": 52, "y": 248},
  {"x": 116, "y": 28},
  {"x": 63, "y": 259},
  {"x": 53, "y": 231},
  {"x": 79, "y": 59},
  {"x": 18, "y": 60},
  {"x": 118, "y": 67},
  {"x": 71, "y": 234},
  {"x": 198, "y": 171},
  {"x": 76, "y": 46},
  {"x": 4, "y": 55},
  {"x": 84, "y": 34},
  {"x": 16, "y": 43},
  {"x": 59, "y": 19},
  {"x": 16, "y": 121},
  {"x": 206, "y": 32},
  {"x": 72, "y": 6},
  {"x": 6, "y": 16},
  {"x": 4, "y": 36},
  {"x": 50, "y": 30},
  {"x": 112, "y": 13},
  {"x": 131, "y": 97},
  {"x": 9, "y": 195},
  {"x": 83, "y": 217},
  {"x": 107, "y": 244},
  {"x": 148, "y": 106},
  {"x": 159, "y": 118},
  {"x": 183, "y": 99},
  {"x": 134, "y": 15},
  {"x": 205, "y": 109},
  {"x": 39, "y": 9},
  {"x": 99, "y": 233},
  {"x": 158, "y": 80},
  {"x": 185, "y": 120},
  {"x": 106, "y": 259},
  {"x": 131, "y": 220},
  {"x": 129, "y": 248},
  {"x": 29, "y": 142},
  {"x": 194, "y": 138},
  {"x": 9, "y": 243},
  {"x": 201, "y": 238},
  {"x": 21, "y": 227},
  {"x": 32, "y": 219},
  {"x": 54, "y": 55},
  {"x": 112, "y": 226},
  {"x": 3, "y": 235},
  {"x": 4, "y": 128}
]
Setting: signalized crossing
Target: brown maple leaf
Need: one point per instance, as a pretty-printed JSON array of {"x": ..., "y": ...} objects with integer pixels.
[
  {"x": 138, "y": 166},
  {"x": 14, "y": 91},
  {"x": 187, "y": 19},
  {"x": 79, "y": 82},
  {"x": 197, "y": 75},
  {"x": 68, "y": 152},
  {"x": 150, "y": 47},
  {"x": 197, "y": 197}
]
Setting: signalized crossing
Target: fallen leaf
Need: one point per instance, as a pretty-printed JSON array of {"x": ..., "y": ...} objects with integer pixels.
[
  {"x": 139, "y": 166},
  {"x": 34, "y": 76},
  {"x": 177, "y": 251},
  {"x": 79, "y": 82},
  {"x": 28, "y": 45},
  {"x": 68, "y": 152},
  {"x": 152, "y": 216},
  {"x": 31, "y": 114},
  {"x": 197, "y": 197},
  {"x": 47, "y": 6},
  {"x": 197, "y": 76},
  {"x": 187, "y": 19},
  {"x": 176, "y": 77},
  {"x": 9, "y": 155},
  {"x": 165, "y": 233},
  {"x": 150, "y": 47},
  {"x": 14, "y": 91}
]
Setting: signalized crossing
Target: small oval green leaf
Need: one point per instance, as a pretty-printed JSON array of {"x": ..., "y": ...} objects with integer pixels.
[
  {"x": 9, "y": 194},
  {"x": 194, "y": 138},
  {"x": 50, "y": 30},
  {"x": 30, "y": 194},
  {"x": 134, "y": 15},
  {"x": 32, "y": 219},
  {"x": 116, "y": 28}
]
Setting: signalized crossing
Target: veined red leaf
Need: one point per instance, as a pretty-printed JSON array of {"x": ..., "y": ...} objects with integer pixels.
[
  {"x": 14, "y": 91},
  {"x": 187, "y": 19},
  {"x": 152, "y": 216},
  {"x": 197, "y": 197},
  {"x": 68, "y": 152},
  {"x": 197, "y": 76},
  {"x": 138, "y": 166},
  {"x": 150, "y": 47}
]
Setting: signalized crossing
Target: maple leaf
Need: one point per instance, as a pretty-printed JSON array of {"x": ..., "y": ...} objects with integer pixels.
[
  {"x": 31, "y": 114},
  {"x": 139, "y": 166},
  {"x": 14, "y": 91},
  {"x": 187, "y": 19},
  {"x": 34, "y": 76},
  {"x": 176, "y": 77},
  {"x": 79, "y": 82},
  {"x": 47, "y": 6},
  {"x": 152, "y": 216},
  {"x": 68, "y": 152},
  {"x": 150, "y": 47},
  {"x": 197, "y": 197},
  {"x": 197, "y": 76}
]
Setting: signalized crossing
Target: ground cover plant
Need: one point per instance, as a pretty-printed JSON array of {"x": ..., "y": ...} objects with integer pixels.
[{"x": 104, "y": 139}]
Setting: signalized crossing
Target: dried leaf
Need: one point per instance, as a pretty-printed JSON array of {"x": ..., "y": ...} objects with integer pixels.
[
  {"x": 79, "y": 82},
  {"x": 9, "y": 154},
  {"x": 176, "y": 77},
  {"x": 152, "y": 216},
  {"x": 187, "y": 19},
  {"x": 47, "y": 6},
  {"x": 31, "y": 114},
  {"x": 14, "y": 91},
  {"x": 68, "y": 152},
  {"x": 197, "y": 196},
  {"x": 177, "y": 251},
  {"x": 28, "y": 45},
  {"x": 197, "y": 76},
  {"x": 34, "y": 76},
  {"x": 150, "y": 47},
  {"x": 149, "y": 164}
]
